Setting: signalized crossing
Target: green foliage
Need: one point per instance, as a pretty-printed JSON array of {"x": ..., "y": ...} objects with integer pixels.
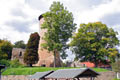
[
  {"x": 33, "y": 70},
  {"x": 116, "y": 66},
  {"x": 31, "y": 54},
  {"x": 94, "y": 42},
  {"x": 5, "y": 62},
  {"x": 20, "y": 44},
  {"x": 15, "y": 64},
  {"x": 59, "y": 25},
  {"x": 12, "y": 64},
  {"x": 5, "y": 49}
]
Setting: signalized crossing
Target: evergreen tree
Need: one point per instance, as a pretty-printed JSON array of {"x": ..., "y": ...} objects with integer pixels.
[{"x": 31, "y": 53}]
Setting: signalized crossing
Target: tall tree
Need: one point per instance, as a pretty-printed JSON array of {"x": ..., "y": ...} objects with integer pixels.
[
  {"x": 59, "y": 24},
  {"x": 31, "y": 54},
  {"x": 20, "y": 44},
  {"x": 5, "y": 49},
  {"x": 95, "y": 42}
]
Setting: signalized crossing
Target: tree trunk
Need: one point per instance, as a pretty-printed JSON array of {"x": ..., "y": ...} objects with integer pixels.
[
  {"x": 96, "y": 64},
  {"x": 54, "y": 58}
]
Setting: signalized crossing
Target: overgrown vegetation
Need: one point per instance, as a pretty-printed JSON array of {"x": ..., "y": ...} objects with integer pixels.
[{"x": 11, "y": 63}]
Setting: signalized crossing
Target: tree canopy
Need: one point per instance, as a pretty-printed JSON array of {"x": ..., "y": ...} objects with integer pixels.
[
  {"x": 95, "y": 42},
  {"x": 20, "y": 44},
  {"x": 31, "y": 53},
  {"x": 60, "y": 25},
  {"x": 5, "y": 49}
]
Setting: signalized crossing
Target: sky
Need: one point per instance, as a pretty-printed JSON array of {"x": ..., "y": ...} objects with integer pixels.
[{"x": 19, "y": 18}]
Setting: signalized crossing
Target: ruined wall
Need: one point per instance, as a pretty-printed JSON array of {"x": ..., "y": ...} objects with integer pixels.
[{"x": 18, "y": 53}]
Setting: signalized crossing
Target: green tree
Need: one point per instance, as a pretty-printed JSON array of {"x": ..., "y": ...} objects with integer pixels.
[
  {"x": 116, "y": 68},
  {"x": 59, "y": 24},
  {"x": 5, "y": 49},
  {"x": 95, "y": 42},
  {"x": 20, "y": 44},
  {"x": 31, "y": 53}
]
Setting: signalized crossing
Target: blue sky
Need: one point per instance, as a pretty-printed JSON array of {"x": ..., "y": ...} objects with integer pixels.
[{"x": 19, "y": 18}]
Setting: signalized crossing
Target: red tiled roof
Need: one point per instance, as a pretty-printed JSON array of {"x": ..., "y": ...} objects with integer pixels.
[{"x": 88, "y": 64}]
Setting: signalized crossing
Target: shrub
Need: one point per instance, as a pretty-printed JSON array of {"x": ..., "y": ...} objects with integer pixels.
[
  {"x": 5, "y": 62},
  {"x": 15, "y": 63}
]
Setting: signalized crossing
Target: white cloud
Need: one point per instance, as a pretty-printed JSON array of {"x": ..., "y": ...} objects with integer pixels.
[
  {"x": 97, "y": 12},
  {"x": 12, "y": 12}
]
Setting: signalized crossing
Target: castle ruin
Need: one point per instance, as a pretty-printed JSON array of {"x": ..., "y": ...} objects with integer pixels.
[
  {"x": 46, "y": 58},
  {"x": 18, "y": 53}
]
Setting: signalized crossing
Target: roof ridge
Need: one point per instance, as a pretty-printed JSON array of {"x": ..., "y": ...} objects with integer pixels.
[{"x": 73, "y": 69}]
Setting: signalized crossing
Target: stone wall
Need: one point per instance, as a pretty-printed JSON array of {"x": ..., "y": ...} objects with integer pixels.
[
  {"x": 18, "y": 53},
  {"x": 15, "y": 77},
  {"x": 103, "y": 76}
]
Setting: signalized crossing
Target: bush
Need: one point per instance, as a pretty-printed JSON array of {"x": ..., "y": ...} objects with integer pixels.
[
  {"x": 5, "y": 62},
  {"x": 15, "y": 64}
]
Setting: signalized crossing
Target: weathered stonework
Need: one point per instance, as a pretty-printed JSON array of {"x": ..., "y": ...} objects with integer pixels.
[
  {"x": 18, "y": 53},
  {"x": 103, "y": 76},
  {"x": 46, "y": 58}
]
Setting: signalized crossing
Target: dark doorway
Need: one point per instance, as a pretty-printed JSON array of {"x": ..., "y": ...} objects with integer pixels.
[{"x": 43, "y": 65}]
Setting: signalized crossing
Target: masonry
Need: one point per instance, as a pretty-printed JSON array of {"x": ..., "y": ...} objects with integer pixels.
[
  {"x": 18, "y": 53},
  {"x": 103, "y": 76}
]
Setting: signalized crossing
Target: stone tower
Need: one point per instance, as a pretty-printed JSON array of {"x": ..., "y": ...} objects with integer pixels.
[{"x": 46, "y": 58}]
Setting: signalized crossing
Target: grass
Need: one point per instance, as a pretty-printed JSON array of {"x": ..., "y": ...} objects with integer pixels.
[
  {"x": 32, "y": 70},
  {"x": 100, "y": 69}
]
